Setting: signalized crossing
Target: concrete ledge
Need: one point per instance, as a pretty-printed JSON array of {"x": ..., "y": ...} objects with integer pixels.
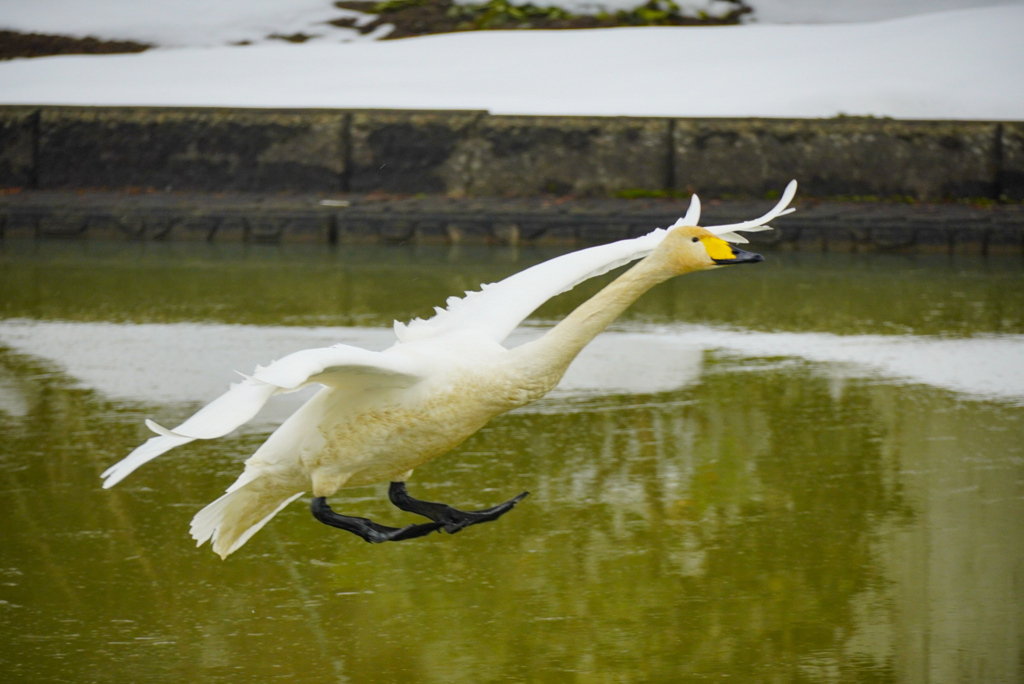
[
  {"x": 410, "y": 152},
  {"x": 1011, "y": 161},
  {"x": 925, "y": 160},
  {"x": 18, "y": 136},
  {"x": 474, "y": 154},
  {"x": 562, "y": 155},
  {"x": 818, "y": 226},
  {"x": 190, "y": 149}
]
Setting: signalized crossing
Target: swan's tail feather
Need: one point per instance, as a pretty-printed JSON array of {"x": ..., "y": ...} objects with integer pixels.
[{"x": 232, "y": 519}]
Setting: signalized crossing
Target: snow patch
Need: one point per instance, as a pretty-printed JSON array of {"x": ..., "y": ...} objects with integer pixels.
[
  {"x": 180, "y": 23},
  {"x": 956, "y": 65},
  {"x": 197, "y": 361}
]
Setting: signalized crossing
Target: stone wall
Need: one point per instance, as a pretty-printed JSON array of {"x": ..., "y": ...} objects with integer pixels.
[
  {"x": 817, "y": 225},
  {"x": 475, "y": 154}
]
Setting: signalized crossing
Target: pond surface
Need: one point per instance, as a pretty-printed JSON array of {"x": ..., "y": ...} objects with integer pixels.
[{"x": 810, "y": 470}]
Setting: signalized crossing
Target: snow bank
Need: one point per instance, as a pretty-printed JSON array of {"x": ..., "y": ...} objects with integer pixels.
[
  {"x": 835, "y": 12},
  {"x": 955, "y": 65},
  {"x": 195, "y": 23},
  {"x": 177, "y": 23}
]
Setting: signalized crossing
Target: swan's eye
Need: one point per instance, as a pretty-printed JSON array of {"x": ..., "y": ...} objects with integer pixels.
[{"x": 696, "y": 239}]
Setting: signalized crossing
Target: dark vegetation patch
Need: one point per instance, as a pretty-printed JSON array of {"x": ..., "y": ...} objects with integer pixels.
[
  {"x": 424, "y": 17},
  {"x": 14, "y": 44}
]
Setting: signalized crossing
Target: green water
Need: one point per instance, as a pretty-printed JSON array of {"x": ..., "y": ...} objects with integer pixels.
[{"x": 777, "y": 517}]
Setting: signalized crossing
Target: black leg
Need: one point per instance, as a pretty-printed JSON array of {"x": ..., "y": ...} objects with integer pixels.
[
  {"x": 452, "y": 518},
  {"x": 367, "y": 529}
]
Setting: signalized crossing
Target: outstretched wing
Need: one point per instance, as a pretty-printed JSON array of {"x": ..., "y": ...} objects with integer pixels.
[
  {"x": 498, "y": 308},
  {"x": 331, "y": 366}
]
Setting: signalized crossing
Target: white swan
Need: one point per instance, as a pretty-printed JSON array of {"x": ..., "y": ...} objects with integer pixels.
[{"x": 379, "y": 415}]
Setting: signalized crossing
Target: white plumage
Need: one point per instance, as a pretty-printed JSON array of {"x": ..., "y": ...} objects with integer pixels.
[{"x": 379, "y": 415}]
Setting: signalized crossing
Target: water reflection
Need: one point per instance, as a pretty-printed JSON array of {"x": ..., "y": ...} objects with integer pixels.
[
  {"x": 751, "y": 515},
  {"x": 373, "y": 286},
  {"x": 158, "y": 363}
]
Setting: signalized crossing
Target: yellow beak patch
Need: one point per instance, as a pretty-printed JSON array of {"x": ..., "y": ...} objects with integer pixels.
[{"x": 717, "y": 248}]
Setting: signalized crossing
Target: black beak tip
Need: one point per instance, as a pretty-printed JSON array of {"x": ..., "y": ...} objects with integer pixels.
[{"x": 740, "y": 257}]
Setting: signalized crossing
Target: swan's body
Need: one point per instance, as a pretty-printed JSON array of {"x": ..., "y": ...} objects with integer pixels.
[{"x": 380, "y": 415}]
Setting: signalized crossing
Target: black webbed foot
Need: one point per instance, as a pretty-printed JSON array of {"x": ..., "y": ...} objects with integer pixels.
[
  {"x": 367, "y": 529},
  {"x": 452, "y": 519}
]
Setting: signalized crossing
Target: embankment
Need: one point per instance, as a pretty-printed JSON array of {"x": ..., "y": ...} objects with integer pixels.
[{"x": 143, "y": 165}]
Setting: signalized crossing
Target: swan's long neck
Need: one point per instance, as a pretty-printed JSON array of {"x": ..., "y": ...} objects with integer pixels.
[{"x": 552, "y": 353}]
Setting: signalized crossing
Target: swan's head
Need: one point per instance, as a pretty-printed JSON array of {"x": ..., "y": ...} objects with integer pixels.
[
  {"x": 692, "y": 248},
  {"x": 687, "y": 247}
]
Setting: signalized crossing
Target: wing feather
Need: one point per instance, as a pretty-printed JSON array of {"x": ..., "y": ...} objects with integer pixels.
[
  {"x": 144, "y": 453},
  {"x": 729, "y": 232},
  {"x": 329, "y": 366},
  {"x": 498, "y": 308}
]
